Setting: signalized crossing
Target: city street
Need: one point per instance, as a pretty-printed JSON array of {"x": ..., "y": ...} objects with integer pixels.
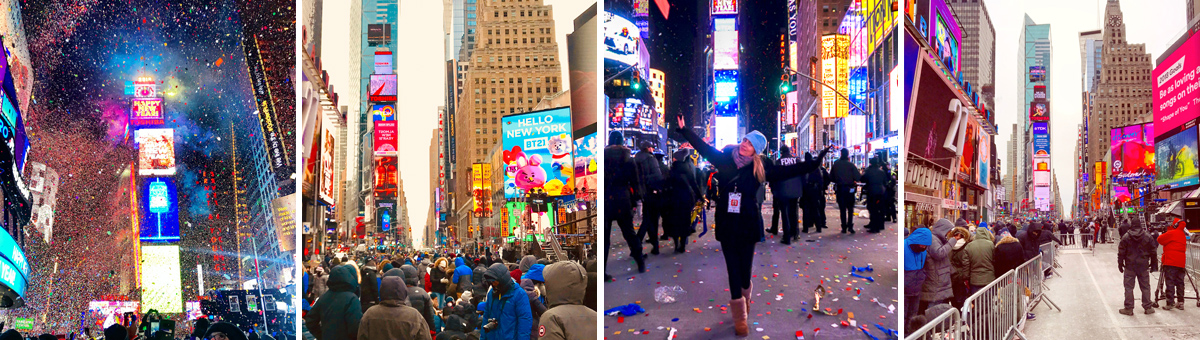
[
  {"x": 784, "y": 277},
  {"x": 1090, "y": 292}
]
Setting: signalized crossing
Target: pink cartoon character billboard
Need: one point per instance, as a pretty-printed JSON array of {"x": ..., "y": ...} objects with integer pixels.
[{"x": 537, "y": 153}]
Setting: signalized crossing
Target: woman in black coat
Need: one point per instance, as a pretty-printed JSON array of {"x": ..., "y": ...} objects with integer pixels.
[
  {"x": 683, "y": 190},
  {"x": 739, "y": 223}
]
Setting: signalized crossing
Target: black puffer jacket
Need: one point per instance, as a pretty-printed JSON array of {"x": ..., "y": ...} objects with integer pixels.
[
  {"x": 650, "y": 171},
  {"x": 1137, "y": 251},
  {"x": 620, "y": 180},
  {"x": 418, "y": 298}
]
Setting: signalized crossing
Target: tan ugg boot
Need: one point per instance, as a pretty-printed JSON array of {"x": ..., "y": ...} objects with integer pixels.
[
  {"x": 746, "y": 295},
  {"x": 738, "y": 308}
]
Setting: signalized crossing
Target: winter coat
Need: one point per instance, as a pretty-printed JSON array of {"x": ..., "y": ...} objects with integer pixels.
[
  {"x": 536, "y": 307},
  {"x": 1031, "y": 244},
  {"x": 980, "y": 253},
  {"x": 337, "y": 312},
  {"x": 462, "y": 275},
  {"x": 650, "y": 172},
  {"x": 526, "y": 262},
  {"x": 620, "y": 181},
  {"x": 1137, "y": 251},
  {"x": 1174, "y": 244},
  {"x": 875, "y": 181},
  {"x": 479, "y": 290},
  {"x": 745, "y": 227},
  {"x": 567, "y": 318},
  {"x": 790, "y": 188},
  {"x": 681, "y": 196},
  {"x": 937, "y": 264},
  {"x": 417, "y": 298},
  {"x": 455, "y": 326},
  {"x": 960, "y": 261},
  {"x": 1008, "y": 255},
  {"x": 845, "y": 175},
  {"x": 369, "y": 288},
  {"x": 590, "y": 299},
  {"x": 508, "y": 305},
  {"x": 438, "y": 274},
  {"x": 914, "y": 263},
  {"x": 318, "y": 284},
  {"x": 393, "y": 318}
]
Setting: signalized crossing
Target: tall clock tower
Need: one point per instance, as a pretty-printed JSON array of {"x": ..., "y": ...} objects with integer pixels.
[{"x": 1123, "y": 94}]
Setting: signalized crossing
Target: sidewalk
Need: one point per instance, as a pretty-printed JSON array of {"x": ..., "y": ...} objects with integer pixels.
[
  {"x": 784, "y": 278},
  {"x": 1090, "y": 291}
]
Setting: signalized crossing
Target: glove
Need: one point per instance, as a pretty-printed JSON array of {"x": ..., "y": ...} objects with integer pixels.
[
  {"x": 960, "y": 243},
  {"x": 1121, "y": 269},
  {"x": 445, "y": 281}
]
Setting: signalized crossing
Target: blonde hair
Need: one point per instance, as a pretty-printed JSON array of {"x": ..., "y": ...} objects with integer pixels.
[{"x": 759, "y": 172}]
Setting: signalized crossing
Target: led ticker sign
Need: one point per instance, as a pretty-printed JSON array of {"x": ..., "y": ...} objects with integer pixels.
[
  {"x": 14, "y": 266},
  {"x": 156, "y": 152},
  {"x": 146, "y": 111},
  {"x": 383, "y": 88},
  {"x": 159, "y": 210},
  {"x": 724, "y": 7}
]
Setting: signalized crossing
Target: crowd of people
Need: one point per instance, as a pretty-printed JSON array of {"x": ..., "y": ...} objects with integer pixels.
[
  {"x": 947, "y": 262},
  {"x": 680, "y": 192},
  {"x": 447, "y": 296}
]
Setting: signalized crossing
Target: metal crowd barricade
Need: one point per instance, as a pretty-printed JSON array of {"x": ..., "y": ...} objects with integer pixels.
[
  {"x": 994, "y": 312},
  {"x": 1048, "y": 251},
  {"x": 947, "y": 326},
  {"x": 1032, "y": 281},
  {"x": 1076, "y": 240},
  {"x": 1193, "y": 259}
]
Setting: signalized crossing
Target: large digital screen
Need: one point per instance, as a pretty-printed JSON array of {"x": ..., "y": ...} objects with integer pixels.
[
  {"x": 383, "y": 88},
  {"x": 1174, "y": 86},
  {"x": 834, "y": 72},
  {"x": 537, "y": 153},
  {"x": 725, "y": 89},
  {"x": 14, "y": 266},
  {"x": 379, "y": 34},
  {"x": 1175, "y": 159},
  {"x": 726, "y": 131},
  {"x": 8, "y": 106},
  {"x": 1041, "y": 139},
  {"x": 383, "y": 62},
  {"x": 944, "y": 34},
  {"x": 144, "y": 89},
  {"x": 156, "y": 152},
  {"x": 724, "y": 6},
  {"x": 630, "y": 115},
  {"x": 1039, "y": 93},
  {"x": 1132, "y": 151},
  {"x": 384, "y": 118},
  {"x": 1041, "y": 198},
  {"x": 385, "y": 215},
  {"x": 621, "y": 40},
  {"x": 1121, "y": 194},
  {"x": 285, "y": 223},
  {"x": 161, "y": 285},
  {"x": 930, "y": 126},
  {"x": 969, "y": 151},
  {"x": 386, "y": 186},
  {"x": 159, "y": 209},
  {"x": 328, "y": 149},
  {"x": 585, "y": 163},
  {"x": 146, "y": 111},
  {"x": 1037, "y": 73},
  {"x": 1039, "y": 111},
  {"x": 725, "y": 44}
]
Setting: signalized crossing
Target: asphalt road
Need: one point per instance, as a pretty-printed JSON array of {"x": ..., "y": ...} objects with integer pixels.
[{"x": 784, "y": 278}]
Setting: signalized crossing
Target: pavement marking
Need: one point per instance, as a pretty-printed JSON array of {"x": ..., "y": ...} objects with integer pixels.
[{"x": 1111, "y": 317}]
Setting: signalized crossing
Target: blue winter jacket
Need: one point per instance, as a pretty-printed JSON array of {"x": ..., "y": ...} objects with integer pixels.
[
  {"x": 510, "y": 309},
  {"x": 461, "y": 269}
]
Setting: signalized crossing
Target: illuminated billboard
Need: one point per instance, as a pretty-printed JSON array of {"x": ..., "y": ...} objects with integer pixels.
[
  {"x": 1041, "y": 139},
  {"x": 725, "y": 44},
  {"x": 379, "y": 34},
  {"x": 834, "y": 72},
  {"x": 932, "y": 131},
  {"x": 630, "y": 115},
  {"x": 725, "y": 89},
  {"x": 156, "y": 152},
  {"x": 14, "y": 266},
  {"x": 1175, "y": 159},
  {"x": 944, "y": 34},
  {"x": 144, "y": 89},
  {"x": 1041, "y": 198},
  {"x": 161, "y": 285},
  {"x": 621, "y": 41},
  {"x": 1037, "y": 73},
  {"x": 384, "y": 118},
  {"x": 724, "y": 7},
  {"x": 146, "y": 111},
  {"x": 386, "y": 186},
  {"x": 1174, "y": 85},
  {"x": 1039, "y": 111},
  {"x": 285, "y": 223},
  {"x": 385, "y": 215},
  {"x": 726, "y": 131},
  {"x": 1132, "y": 150},
  {"x": 1039, "y": 92},
  {"x": 383, "y": 62},
  {"x": 585, "y": 163},
  {"x": 383, "y": 88},
  {"x": 969, "y": 154},
  {"x": 537, "y": 153},
  {"x": 159, "y": 209},
  {"x": 481, "y": 189},
  {"x": 328, "y": 148}
]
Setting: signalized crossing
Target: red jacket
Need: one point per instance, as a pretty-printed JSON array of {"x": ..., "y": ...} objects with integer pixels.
[
  {"x": 1174, "y": 244},
  {"x": 428, "y": 284}
]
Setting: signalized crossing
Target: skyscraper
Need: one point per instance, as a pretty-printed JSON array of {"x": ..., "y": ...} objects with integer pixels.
[
  {"x": 1123, "y": 92},
  {"x": 514, "y": 63},
  {"x": 1034, "y": 50}
]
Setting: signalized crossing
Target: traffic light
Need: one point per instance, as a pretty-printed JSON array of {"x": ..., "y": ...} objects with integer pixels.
[{"x": 785, "y": 87}]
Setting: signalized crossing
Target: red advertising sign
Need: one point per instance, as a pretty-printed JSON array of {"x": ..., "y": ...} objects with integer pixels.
[
  {"x": 384, "y": 117},
  {"x": 1174, "y": 84}
]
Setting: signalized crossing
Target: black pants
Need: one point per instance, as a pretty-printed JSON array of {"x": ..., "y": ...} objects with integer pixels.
[
  {"x": 739, "y": 259},
  {"x": 1143, "y": 280},
  {"x": 776, "y": 208},
  {"x": 652, "y": 208},
  {"x": 812, "y": 218},
  {"x": 624, "y": 220},
  {"x": 845, "y": 201},
  {"x": 875, "y": 207},
  {"x": 791, "y": 217},
  {"x": 1174, "y": 283},
  {"x": 680, "y": 243}
]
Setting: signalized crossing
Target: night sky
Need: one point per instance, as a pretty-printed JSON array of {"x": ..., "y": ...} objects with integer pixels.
[{"x": 83, "y": 52}]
